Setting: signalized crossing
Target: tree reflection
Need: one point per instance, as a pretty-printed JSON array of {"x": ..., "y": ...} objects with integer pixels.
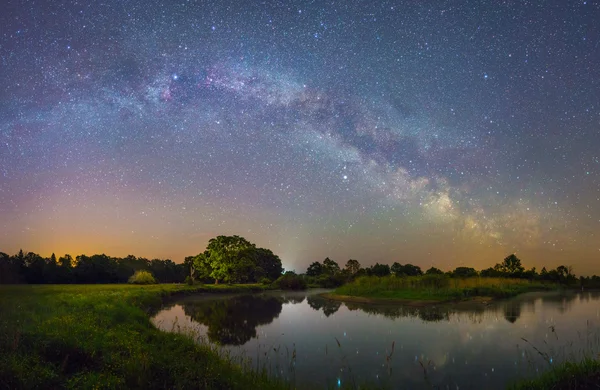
[
  {"x": 427, "y": 314},
  {"x": 234, "y": 321},
  {"x": 329, "y": 306},
  {"x": 293, "y": 299},
  {"x": 512, "y": 311}
]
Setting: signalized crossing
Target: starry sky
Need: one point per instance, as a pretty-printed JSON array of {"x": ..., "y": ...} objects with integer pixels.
[{"x": 437, "y": 133}]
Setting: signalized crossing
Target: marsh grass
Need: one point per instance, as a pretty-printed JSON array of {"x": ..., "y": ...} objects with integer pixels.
[
  {"x": 438, "y": 287},
  {"x": 564, "y": 367},
  {"x": 100, "y": 336}
]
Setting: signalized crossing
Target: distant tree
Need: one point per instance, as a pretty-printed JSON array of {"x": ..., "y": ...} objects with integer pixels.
[
  {"x": 352, "y": 266},
  {"x": 412, "y": 270},
  {"x": 9, "y": 272},
  {"x": 380, "y": 270},
  {"x": 434, "y": 271},
  {"x": 330, "y": 267},
  {"x": 464, "y": 272},
  {"x": 530, "y": 274},
  {"x": 188, "y": 263},
  {"x": 396, "y": 269},
  {"x": 315, "y": 269},
  {"x": 491, "y": 273},
  {"x": 512, "y": 265}
]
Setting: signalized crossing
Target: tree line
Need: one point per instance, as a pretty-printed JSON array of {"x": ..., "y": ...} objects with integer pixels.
[
  {"x": 233, "y": 259},
  {"x": 35, "y": 269},
  {"x": 330, "y": 274}
]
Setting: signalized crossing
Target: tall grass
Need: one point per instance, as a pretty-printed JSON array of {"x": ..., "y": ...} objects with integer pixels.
[
  {"x": 100, "y": 336},
  {"x": 437, "y": 287}
]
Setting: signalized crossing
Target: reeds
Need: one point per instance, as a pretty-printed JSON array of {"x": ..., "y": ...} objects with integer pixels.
[{"x": 437, "y": 287}]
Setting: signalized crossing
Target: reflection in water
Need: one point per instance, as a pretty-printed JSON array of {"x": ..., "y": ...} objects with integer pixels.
[
  {"x": 329, "y": 307},
  {"x": 512, "y": 311},
  {"x": 313, "y": 342},
  {"x": 233, "y": 321}
]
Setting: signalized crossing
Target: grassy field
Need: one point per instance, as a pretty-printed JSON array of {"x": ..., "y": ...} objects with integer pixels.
[
  {"x": 100, "y": 336},
  {"x": 437, "y": 288},
  {"x": 568, "y": 376}
]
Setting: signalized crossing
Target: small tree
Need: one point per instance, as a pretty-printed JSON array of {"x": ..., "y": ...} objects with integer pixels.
[{"x": 142, "y": 277}]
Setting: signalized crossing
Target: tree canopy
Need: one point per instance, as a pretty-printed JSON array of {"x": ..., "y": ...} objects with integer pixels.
[{"x": 233, "y": 259}]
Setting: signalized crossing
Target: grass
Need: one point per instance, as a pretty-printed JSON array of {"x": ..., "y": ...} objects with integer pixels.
[
  {"x": 567, "y": 376},
  {"x": 100, "y": 336},
  {"x": 437, "y": 288}
]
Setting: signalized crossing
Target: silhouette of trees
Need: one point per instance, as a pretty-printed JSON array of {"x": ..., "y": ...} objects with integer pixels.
[
  {"x": 379, "y": 270},
  {"x": 406, "y": 270},
  {"x": 330, "y": 267},
  {"x": 352, "y": 266},
  {"x": 464, "y": 272},
  {"x": 315, "y": 269},
  {"x": 35, "y": 269},
  {"x": 434, "y": 271}
]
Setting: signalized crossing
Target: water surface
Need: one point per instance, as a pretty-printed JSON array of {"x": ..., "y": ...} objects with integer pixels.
[{"x": 313, "y": 342}]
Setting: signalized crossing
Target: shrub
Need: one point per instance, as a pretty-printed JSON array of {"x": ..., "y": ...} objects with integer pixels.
[
  {"x": 290, "y": 282},
  {"x": 265, "y": 281},
  {"x": 142, "y": 277},
  {"x": 189, "y": 281}
]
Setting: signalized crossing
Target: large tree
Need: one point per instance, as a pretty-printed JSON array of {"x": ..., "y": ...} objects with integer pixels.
[{"x": 233, "y": 259}]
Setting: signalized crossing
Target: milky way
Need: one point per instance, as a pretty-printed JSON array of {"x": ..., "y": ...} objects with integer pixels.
[{"x": 420, "y": 132}]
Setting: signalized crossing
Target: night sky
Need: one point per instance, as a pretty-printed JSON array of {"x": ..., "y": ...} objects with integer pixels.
[{"x": 437, "y": 133}]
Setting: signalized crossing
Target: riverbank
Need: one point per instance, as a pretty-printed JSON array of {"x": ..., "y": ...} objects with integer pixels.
[
  {"x": 432, "y": 289},
  {"x": 84, "y": 336}
]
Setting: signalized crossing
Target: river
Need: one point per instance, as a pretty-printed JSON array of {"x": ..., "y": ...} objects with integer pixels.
[{"x": 312, "y": 342}]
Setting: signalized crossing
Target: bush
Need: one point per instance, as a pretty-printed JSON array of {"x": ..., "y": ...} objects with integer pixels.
[
  {"x": 142, "y": 277},
  {"x": 189, "y": 281},
  {"x": 265, "y": 281},
  {"x": 291, "y": 282}
]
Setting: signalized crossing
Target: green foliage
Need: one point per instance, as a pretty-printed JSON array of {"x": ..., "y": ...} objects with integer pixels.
[
  {"x": 330, "y": 267},
  {"x": 100, "y": 336},
  {"x": 233, "y": 259},
  {"x": 567, "y": 376},
  {"x": 142, "y": 277},
  {"x": 437, "y": 287},
  {"x": 315, "y": 269},
  {"x": 290, "y": 281}
]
